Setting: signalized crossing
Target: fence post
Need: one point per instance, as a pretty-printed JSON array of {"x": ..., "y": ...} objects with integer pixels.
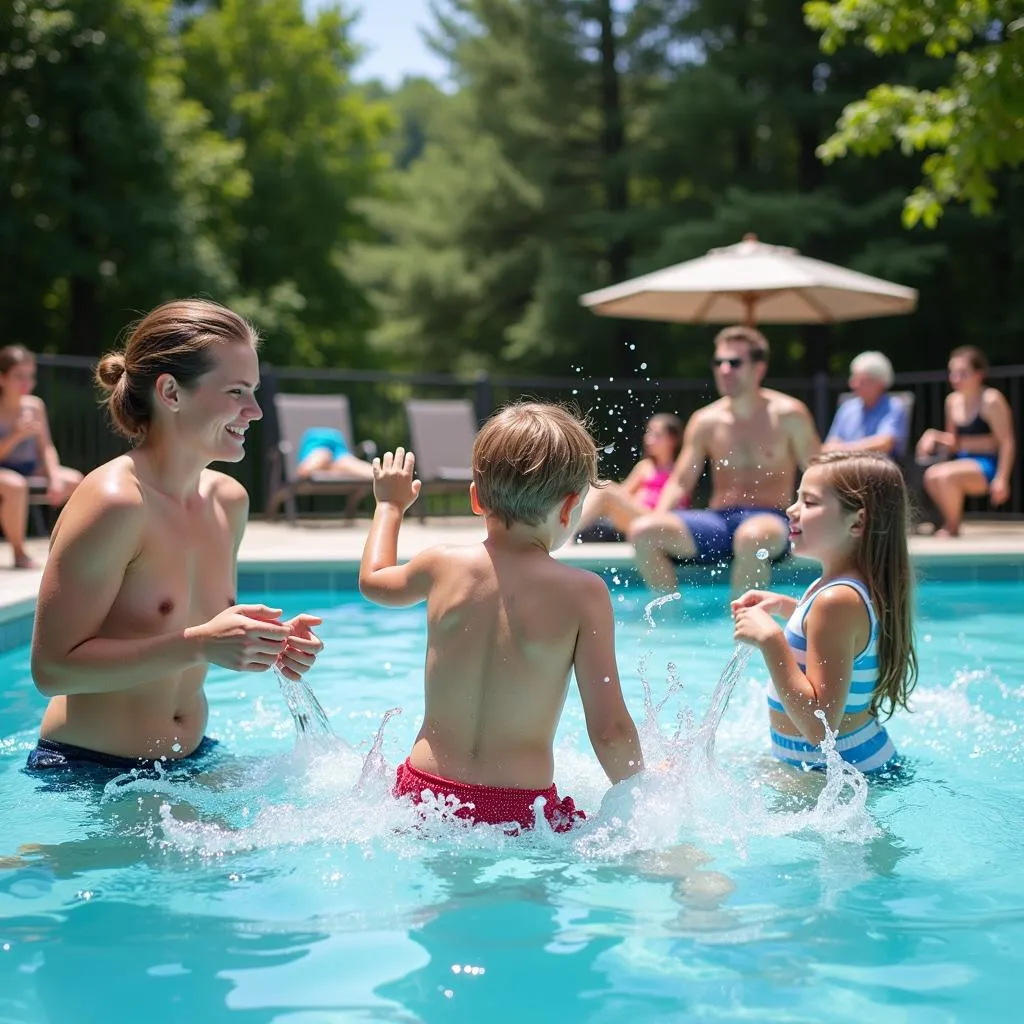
[
  {"x": 483, "y": 396},
  {"x": 821, "y": 403},
  {"x": 268, "y": 432}
]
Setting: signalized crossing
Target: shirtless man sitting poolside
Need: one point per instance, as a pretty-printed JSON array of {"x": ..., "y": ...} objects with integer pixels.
[
  {"x": 755, "y": 440},
  {"x": 506, "y": 623}
]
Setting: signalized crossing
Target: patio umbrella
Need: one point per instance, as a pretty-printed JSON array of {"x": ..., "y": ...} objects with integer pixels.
[{"x": 752, "y": 282}]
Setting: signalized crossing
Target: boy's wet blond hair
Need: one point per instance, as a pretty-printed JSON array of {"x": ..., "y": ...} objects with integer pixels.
[{"x": 530, "y": 457}]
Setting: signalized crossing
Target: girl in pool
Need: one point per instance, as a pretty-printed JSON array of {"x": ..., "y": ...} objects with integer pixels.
[
  {"x": 638, "y": 494},
  {"x": 847, "y": 648},
  {"x": 978, "y": 440}
]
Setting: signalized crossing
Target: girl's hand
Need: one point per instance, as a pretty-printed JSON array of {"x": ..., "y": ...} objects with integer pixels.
[
  {"x": 763, "y": 599},
  {"x": 392, "y": 479},
  {"x": 754, "y": 626},
  {"x": 301, "y": 647}
]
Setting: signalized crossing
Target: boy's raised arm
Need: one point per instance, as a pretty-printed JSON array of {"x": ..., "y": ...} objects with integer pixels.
[
  {"x": 381, "y": 579},
  {"x": 612, "y": 732}
]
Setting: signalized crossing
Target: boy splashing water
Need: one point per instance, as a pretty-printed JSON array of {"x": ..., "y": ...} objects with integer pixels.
[{"x": 506, "y": 624}]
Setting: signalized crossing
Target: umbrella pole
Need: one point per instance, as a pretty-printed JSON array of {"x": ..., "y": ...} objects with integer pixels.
[{"x": 749, "y": 300}]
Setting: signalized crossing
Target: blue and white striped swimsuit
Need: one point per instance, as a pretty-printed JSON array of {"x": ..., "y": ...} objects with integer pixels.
[{"x": 867, "y": 748}]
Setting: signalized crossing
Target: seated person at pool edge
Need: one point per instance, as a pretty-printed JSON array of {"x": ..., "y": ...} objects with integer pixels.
[
  {"x": 137, "y": 597},
  {"x": 974, "y": 454},
  {"x": 621, "y": 503},
  {"x": 26, "y": 450},
  {"x": 323, "y": 450},
  {"x": 872, "y": 420},
  {"x": 506, "y": 623},
  {"x": 755, "y": 439}
]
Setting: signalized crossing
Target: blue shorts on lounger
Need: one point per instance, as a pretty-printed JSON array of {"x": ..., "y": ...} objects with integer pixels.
[
  {"x": 322, "y": 437},
  {"x": 713, "y": 529}
]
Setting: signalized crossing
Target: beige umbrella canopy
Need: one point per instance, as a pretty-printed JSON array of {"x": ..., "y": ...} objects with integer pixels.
[{"x": 751, "y": 282}]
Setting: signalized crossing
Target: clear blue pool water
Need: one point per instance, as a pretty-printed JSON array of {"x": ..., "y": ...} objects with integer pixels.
[{"x": 286, "y": 887}]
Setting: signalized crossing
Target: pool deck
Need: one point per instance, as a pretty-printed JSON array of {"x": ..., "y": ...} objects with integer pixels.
[{"x": 334, "y": 546}]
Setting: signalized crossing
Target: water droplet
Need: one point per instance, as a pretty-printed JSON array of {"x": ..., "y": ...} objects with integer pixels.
[
  {"x": 632, "y": 348},
  {"x": 176, "y": 748},
  {"x": 609, "y": 449},
  {"x": 607, "y": 679},
  {"x": 643, "y": 366},
  {"x": 761, "y": 554}
]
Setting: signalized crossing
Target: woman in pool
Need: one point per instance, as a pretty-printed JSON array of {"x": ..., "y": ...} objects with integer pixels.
[
  {"x": 638, "y": 494},
  {"x": 977, "y": 447},
  {"x": 26, "y": 450},
  {"x": 138, "y": 594},
  {"x": 847, "y": 648}
]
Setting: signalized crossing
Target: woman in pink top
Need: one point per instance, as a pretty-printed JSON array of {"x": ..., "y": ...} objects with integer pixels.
[{"x": 638, "y": 494}]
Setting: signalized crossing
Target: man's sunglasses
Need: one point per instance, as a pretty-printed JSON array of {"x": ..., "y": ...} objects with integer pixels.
[{"x": 734, "y": 362}]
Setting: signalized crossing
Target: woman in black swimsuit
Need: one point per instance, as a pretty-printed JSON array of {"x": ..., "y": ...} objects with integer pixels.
[
  {"x": 26, "y": 450},
  {"x": 978, "y": 443}
]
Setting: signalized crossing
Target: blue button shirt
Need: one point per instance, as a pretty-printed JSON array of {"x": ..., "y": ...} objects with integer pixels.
[{"x": 854, "y": 423}]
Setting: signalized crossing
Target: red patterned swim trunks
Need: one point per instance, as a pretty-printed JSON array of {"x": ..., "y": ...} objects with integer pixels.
[{"x": 490, "y": 805}]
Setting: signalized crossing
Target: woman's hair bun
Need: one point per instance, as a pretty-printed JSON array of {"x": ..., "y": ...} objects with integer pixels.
[{"x": 110, "y": 370}]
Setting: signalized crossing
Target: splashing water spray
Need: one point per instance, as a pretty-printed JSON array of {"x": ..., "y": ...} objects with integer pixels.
[
  {"x": 734, "y": 668},
  {"x": 312, "y": 725}
]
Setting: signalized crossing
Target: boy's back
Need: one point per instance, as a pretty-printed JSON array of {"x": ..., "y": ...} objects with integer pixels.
[{"x": 503, "y": 623}]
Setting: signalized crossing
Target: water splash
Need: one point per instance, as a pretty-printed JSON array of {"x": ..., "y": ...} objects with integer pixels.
[
  {"x": 312, "y": 726},
  {"x": 708, "y": 729},
  {"x": 652, "y": 606},
  {"x": 375, "y": 768}
]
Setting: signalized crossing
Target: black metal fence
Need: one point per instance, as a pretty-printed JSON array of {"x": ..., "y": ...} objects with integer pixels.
[{"x": 618, "y": 409}]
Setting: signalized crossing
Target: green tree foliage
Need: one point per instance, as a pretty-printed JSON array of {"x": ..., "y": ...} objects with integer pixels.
[
  {"x": 113, "y": 181},
  {"x": 519, "y": 195},
  {"x": 971, "y": 126},
  {"x": 585, "y": 142},
  {"x": 278, "y": 84},
  {"x": 150, "y": 149}
]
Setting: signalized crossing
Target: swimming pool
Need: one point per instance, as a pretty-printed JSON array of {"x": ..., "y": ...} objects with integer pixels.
[{"x": 284, "y": 887}]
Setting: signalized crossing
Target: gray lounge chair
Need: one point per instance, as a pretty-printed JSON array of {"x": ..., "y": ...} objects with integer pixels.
[
  {"x": 295, "y": 415},
  {"x": 442, "y": 434}
]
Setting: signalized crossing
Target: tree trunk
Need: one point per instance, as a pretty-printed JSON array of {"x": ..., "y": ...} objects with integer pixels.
[{"x": 616, "y": 177}]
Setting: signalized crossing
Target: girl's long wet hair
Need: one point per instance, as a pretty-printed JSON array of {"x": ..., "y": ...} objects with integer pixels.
[{"x": 874, "y": 483}]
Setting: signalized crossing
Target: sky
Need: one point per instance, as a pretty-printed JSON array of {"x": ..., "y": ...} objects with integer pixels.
[{"x": 389, "y": 32}]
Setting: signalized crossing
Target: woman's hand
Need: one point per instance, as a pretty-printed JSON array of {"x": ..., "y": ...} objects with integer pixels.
[
  {"x": 932, "y": 440},
  {"x": 243, "y": 638},
  {"x": 392, "y": 479},
  {"x": 999, "y": 491},
  {"x": 754, "y": 626},
  {"x": 28, "y": 425},
  {"x": 301, "y": 647}
]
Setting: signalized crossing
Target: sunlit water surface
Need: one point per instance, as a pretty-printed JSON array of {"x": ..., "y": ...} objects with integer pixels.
[{"x": 285, "y": 884}]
